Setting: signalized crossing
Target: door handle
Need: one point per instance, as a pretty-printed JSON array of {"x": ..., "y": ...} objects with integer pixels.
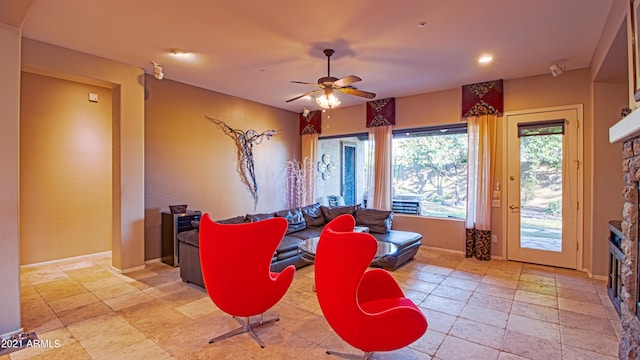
[{"x": 513, "y": 207}]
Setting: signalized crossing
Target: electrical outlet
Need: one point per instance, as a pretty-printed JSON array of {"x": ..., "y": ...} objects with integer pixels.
[{"x": 494, "y": 238}]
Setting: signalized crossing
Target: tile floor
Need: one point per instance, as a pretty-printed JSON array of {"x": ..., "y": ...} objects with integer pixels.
[{"x": 476, "y": 310}]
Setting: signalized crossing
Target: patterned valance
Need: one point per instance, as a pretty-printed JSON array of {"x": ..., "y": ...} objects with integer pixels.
[
  {"x": 381, "y": 112},
  {"x": 311, "y": 123},
  {"x": 486, "y": 98}
]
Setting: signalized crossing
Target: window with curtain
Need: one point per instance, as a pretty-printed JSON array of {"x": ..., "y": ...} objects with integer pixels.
[{"x": 430, "y": 171}]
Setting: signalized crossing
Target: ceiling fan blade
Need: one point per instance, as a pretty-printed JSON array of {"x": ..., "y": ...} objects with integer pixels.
[
  {"x": 303, "y": 95},
  {"x": 345, "y": 81},
  {"x": 356, "y": 92},
  {"x": 304, "y": 83}
]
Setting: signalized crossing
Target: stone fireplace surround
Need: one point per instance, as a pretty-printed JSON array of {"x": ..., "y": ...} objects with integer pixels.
[
  {"x": 627, "y": 131},
  {"x": 630, "y": 336}
]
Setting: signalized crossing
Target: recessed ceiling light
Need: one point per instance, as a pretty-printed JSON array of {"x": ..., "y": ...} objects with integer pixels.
[
  {"x": 182, "y": 55},
  {"x": 422, "y": 24},
  {"x": 485, "y": 59}
]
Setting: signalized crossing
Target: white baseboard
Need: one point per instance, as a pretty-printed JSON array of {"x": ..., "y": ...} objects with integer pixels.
[
  {"x": 11, "y": 333},
  {"x": 74, "y": 258},
  {"x": 153, "y": 261},
  {"x": 451, "y": 251},
  {"x": 597, "y": 277},
  {"x": 458, "y": 252},
  {"x": 129, "y": 270}
]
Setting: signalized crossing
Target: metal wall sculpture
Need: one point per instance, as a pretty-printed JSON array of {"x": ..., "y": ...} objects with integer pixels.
[{"x": 245, "y": 140}]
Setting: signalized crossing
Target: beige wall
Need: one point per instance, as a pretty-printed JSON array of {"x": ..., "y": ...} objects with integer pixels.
[
  {"x": 65, "y": 169},
  {"x": 9, "y": 180},
  {"x": 607, "y": 172},
  {"x": 126, "y": 83},
  {"x": 189, "y": 160}
]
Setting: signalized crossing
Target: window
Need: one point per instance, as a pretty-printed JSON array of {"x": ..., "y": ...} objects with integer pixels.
[{"x": 430, "y": 171}]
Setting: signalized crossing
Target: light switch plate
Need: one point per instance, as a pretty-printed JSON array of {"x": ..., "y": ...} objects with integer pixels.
[{"x": 495, "y": 203}]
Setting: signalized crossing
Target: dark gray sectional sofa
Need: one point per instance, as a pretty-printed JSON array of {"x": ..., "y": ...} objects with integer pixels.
[{"x": 304, "y": 223}]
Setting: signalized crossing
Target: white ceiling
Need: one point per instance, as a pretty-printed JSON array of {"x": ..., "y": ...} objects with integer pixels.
[{"x": 252, "y": 49}]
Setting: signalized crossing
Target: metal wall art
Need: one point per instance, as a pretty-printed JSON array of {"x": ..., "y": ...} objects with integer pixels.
[
  {"x": 326, "y": 167},
  {"x": 245, "y": 140}
]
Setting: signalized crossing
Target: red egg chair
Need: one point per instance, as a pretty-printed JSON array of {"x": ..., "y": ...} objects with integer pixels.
[
  {"x": 367, "y": 309},
  {"x": 235, "y": 260}
]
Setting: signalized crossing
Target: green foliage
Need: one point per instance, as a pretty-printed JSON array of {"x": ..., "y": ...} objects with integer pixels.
[
  {"x": 554, "y": 207},
  {"x": 542, "y": 151},
  {"x": 539, "y": 156},
  {"x": 434, "y": 167}
]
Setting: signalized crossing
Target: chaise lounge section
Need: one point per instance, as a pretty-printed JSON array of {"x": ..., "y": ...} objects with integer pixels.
[{"x": 306, "y": 222}]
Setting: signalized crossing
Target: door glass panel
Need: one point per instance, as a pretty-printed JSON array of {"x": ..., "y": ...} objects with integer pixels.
[
  {"x": 541, "y": 191},
  {"x": 349, "y": 173}
]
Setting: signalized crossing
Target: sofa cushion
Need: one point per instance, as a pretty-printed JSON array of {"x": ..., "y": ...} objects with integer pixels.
[
  {"x": 191, "y": 237},
  {"x": 378, "y": 221},
  {"x": 294, "y": 218},
  {"x": 288, "y": 243},
  {"x": 307, "y": 233},
  {"x": 312, "y": 215},
  {"x": 331, "y": 213},
  {"x": 234, "y": 220},
  {"x": 286, "y": 254},
  {"x": 258, "y": 217},
  {"x": 401, "y": 239}
]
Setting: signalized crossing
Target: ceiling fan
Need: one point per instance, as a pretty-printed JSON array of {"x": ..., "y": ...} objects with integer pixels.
[{"x": 328, "y": 84}]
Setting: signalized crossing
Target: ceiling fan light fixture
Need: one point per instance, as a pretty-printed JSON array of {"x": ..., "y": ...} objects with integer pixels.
[{"x": 328, "y": 100}]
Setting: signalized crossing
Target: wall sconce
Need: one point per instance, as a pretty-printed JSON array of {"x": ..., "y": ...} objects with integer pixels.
[
  {"x": 558, "y": 68},
  {"x": 158, "y": 72}
]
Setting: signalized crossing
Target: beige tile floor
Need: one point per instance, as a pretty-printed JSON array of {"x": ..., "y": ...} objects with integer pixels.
[{"x": 476, "y": 310}]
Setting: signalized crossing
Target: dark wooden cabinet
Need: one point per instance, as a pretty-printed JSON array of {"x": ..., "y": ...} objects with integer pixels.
[
  {"x": 172, "y": 224},
  {"x": 614, "y": 283}
]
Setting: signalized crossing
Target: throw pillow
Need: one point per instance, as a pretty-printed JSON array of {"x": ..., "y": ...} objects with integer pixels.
[
  {"x": 378, "y": 221},
  {"x": 258, "y": 217},
  {"x": 294, "y": 218},
  {"x": 312, "y": 215},
  {"x": 331, "y": 213}
]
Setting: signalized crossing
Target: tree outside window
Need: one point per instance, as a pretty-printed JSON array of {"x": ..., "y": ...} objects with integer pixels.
[{"x": 430, "y": 167}]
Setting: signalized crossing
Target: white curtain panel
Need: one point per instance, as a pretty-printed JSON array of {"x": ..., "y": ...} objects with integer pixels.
[
  {"x": 480, "y": 176},
  {"x": 380, "y": 186},
  {"x": 481, "y": 164},
  {"x": 310, "y": 151}
]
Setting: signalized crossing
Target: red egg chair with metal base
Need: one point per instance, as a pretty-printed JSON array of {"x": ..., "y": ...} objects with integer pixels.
[
  {"x": 367, "y": 309},
  {"x": 235, "y": 260}
]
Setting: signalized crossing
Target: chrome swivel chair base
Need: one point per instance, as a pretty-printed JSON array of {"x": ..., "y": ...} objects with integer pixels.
[
  {"x": 246, "y": 327},
  {"x": 366, "y": 356}
]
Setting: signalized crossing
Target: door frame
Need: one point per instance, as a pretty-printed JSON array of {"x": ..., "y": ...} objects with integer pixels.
[{"x": 580, "y": 186}]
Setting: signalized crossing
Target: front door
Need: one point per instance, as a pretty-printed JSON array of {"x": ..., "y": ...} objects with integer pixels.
[
  {"x": 542, "y": 187},
  {"x": 349, "y": 174}
]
